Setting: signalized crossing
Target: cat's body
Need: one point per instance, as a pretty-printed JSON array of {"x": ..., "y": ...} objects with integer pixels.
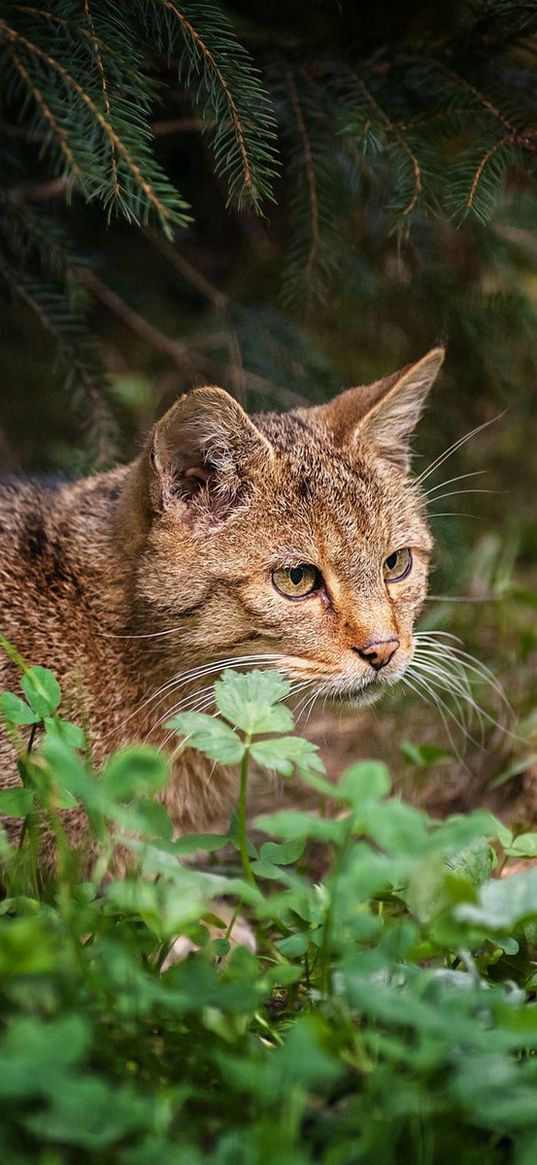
[
  {"x": 67, "y": 595},
  {"x": 200, "y": 551}
]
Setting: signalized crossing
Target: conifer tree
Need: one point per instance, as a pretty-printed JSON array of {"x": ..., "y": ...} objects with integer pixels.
[{"x": 344, "y": 150}]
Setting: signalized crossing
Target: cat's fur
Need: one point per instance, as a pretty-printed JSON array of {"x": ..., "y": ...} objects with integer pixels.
[{"x": 122, "y": 581}]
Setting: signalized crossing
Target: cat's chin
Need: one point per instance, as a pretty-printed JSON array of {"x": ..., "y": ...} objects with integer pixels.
[{"x": 359, "y": 697}]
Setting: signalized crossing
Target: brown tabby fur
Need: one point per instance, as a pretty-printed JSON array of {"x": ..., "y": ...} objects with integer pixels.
[{"x": 124, "y": 580}]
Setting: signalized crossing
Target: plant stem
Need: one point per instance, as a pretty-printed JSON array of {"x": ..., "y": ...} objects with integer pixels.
[
  {"x": 326, "y": 941},
  {"x": 243, "y": 836},
  {"x": 30, "y": 825}
]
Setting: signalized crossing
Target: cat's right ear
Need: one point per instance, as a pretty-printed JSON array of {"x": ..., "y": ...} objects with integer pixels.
[
  {"x": 201, "y": 452},
  {"x": 384, "y": 414}
]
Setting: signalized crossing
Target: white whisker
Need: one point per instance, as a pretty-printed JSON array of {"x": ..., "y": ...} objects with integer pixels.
[
  {"x": 457, "y": 692},
  {"x": 452, "y": 493},
  {"x": 438, "y": 461},
  {"x": 429, "y": 639},
  {"x": 196, "y": 673},
  {"x": 308, "y": 709},
  {"x": 423, "y": 694},
  {"x": 430, "y": 696},
  {"x": 302, "y": 703},
  {"x": 457, "y": 669},
  {"x": 460, "y": 598},
  {"x": 202, "y": 705},
  {"x": 455, "y": 514},
  {"x": 451, "y": 481},
  {"x": 194, "y": 703}
]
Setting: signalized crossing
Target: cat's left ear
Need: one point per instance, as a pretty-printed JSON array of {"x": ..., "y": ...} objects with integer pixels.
[
  {"x": 385, "y": 413},
  {"x": 201, "y": 451}
]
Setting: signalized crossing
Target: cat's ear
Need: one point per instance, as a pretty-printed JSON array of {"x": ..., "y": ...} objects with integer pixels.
[
  {"x": 385, "y": 413},
  {"x": 201, "y": 451}
]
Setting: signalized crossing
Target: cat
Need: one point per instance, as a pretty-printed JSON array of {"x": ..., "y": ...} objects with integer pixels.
[{"x": 296, "y": 541}]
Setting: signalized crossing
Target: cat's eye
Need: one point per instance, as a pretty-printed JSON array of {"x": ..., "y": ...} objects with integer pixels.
[
  {"x": 397, "y": 565},
  {"x": 296, "y": 582}
]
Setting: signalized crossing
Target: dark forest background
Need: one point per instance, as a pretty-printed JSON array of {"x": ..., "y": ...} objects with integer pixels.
[{"x": 287, "y": 199}]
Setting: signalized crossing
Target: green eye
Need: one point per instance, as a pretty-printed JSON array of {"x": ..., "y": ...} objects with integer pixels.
[
  {"x": 295, "y": 582},
  {"x": 397, "y": 565}
]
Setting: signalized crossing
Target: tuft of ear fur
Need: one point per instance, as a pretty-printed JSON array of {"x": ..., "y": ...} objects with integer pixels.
[
  {"x": 200, "y": 451},
  {"x": 385, "y": 413}
]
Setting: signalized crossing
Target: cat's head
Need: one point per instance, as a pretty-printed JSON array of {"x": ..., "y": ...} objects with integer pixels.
[{"x": 299, "y": 536}]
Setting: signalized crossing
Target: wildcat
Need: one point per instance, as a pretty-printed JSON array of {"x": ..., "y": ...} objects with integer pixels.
[{"x": 297, "y": 541}]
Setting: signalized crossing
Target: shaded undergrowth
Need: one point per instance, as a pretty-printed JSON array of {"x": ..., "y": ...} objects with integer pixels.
[{"x": 388, "y": 1011}]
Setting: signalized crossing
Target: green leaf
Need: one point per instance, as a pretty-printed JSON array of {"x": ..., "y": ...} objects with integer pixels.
[
  {"x": 292, "y": 824},
  {"x": 251, "y": 701},
  {"x": 234, "y": 835},
  {"x": 366, "y": 781},
  {"x": 523, "y": 846},
  {"x": 154, "y": 820},
  {"x": 70, "y": 733},
  {"x": 442, "y": 880},
  {"x": 462, "y": 829},
  {"x": 474, "y": 862},
  {"x": 37, "y": 1057},
  {"x": 294, "y": 945},
  {"x": 210, "y": 736},
  {"x": 513, "y": 770},
  {"x": 283, "y": 974},
  {"x": 270, "y": 872},
  {"x": 69, "y": 775},
  {"x": 283, "y": 754},
  {"x": 28, "y": 946},
  {"x": 395, "y": 826},
  {"x": 423, "y": 755},
  {"x": 133, "y": 771},
  {"x": 509, "y": 946},
  {"x": 16, "y": 802},
  {"x": 155, "y": 1149},
  {"x": 282, "y": 854},
  {"x": 192, "y": 842},
  {"x": 42, "y": 691},
  {"x": 223, "y": 81},
  {"x": 165, "y": 907},
  {"x": 16, "y": 711},
  {"x": 87, "y": 1112},
  {"x": 503, "y": 903},
  {"x": 301, "y": 1062}
]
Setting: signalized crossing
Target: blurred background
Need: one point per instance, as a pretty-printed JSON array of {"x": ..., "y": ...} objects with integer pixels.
[{"x": 285, "y": 200}]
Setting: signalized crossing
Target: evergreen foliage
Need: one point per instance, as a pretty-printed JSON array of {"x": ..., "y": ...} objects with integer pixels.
[
  {"x": 79, "y": 83},
  {"x": 416, "y": 131}
]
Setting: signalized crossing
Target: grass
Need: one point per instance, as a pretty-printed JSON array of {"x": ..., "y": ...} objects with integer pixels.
[{"x": 388, "y": 1013}]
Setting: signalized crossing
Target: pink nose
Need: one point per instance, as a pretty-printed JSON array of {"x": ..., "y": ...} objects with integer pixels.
[{"x": 378, "y": 653}]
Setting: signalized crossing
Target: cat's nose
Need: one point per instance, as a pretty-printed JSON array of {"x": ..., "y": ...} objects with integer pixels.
[{"x": 378, "y": 653}]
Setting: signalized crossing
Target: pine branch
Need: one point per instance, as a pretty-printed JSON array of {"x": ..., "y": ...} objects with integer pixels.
[
  {"x": 480, "y": 97},
  {"x": 52, "y": 122},
  {"x": 397, "y": 134},
  {"x": 485, "y": 161},
  {"x": 75, "y": 353},
  {"x": 311, "y": 177},
  {"x": 150, "y": 195},
  {"x": 216, "y": 298},
  {"x": 220, "y": 75},
  {"x": 104, "y": 87},
  {"x": 319, "y": 194},
  {"x": 179, "y": 353},
  {"x": 199, "y": 46}
]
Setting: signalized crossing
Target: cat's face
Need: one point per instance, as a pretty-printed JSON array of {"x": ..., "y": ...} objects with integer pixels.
[{"x": 301, "y": 537}]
